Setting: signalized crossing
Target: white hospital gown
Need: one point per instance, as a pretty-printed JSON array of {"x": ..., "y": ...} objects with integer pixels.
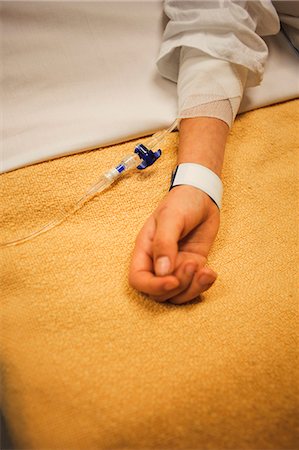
[{"x": 213, "y": 50}]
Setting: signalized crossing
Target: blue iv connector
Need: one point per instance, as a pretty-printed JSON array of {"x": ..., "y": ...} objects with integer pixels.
[{"x": 147, "y": 156}]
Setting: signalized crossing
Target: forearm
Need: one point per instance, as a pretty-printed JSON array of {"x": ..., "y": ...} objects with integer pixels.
[{"x": 202, "y": 140}]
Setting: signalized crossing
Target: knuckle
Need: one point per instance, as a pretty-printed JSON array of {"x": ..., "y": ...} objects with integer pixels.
[
  {"x": 160, "y": 244},
  {"x": 162, "y": 240}
]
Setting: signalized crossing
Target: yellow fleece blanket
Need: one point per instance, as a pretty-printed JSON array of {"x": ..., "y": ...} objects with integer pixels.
[{"x": 89, "y": 363}]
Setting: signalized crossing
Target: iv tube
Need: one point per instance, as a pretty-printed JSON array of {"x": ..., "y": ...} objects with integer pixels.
[
  {"x": 128, "y": 163},
  {"x": 159, "y": 136}
]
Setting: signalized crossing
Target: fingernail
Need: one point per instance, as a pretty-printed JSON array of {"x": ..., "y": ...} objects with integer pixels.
[
  {"x": 206, "y": 279},
  {"x": 162, "y": 266},
  {"x": 190, "y": 269}
]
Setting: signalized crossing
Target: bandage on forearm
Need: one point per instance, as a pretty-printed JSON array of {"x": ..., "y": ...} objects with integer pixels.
[
  {"x": 220, "y": 109},
  {"x": 209, "y": 87}
]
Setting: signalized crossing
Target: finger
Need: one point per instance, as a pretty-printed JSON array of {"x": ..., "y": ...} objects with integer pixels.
[
  {"x": 186, "y": 267},
  {"x": 201, "y": 282},
  {"x": 148, "y": 283},
  {"x": 141, "y": 275},
  {"x": 206, "y": 276},
  {"x": 185, "y": 275},
  {"x": 169, "y": 227},
  {"x": 142, "y": 253}
]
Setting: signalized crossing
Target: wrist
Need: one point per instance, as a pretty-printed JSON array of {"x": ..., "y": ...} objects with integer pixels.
[
  {"x": 197, "y": 196},
  {"x": 200, "y": 177}
]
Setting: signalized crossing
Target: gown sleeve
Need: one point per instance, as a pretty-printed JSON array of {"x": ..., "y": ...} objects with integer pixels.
[{"x": 213, "y": 49}]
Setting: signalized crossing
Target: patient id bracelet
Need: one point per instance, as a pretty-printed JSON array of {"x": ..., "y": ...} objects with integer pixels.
[{"x": 198, "y": 176}]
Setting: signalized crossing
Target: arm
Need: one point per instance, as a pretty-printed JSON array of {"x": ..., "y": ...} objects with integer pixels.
[
  {"x": 202, "y": 141},
  {"x": 211, "y": 49},
  {"x": 185, "y": 224}
]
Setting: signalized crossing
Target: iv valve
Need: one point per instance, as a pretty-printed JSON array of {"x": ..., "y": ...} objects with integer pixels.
[{"x": 147, "y": 156}]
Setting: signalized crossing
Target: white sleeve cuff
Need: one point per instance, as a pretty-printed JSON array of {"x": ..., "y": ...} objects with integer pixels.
[{"x": 226, "y": 30}]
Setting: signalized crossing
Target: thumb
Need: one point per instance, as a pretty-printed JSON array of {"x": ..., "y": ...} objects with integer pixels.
[{"x": 169, "y": 227}]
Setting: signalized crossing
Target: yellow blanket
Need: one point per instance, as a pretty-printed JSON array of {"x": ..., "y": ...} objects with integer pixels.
[{"x": 89, "y": 363}]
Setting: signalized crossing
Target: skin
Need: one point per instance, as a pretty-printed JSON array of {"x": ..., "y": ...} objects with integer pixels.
[{"x": 184, "y": 226}]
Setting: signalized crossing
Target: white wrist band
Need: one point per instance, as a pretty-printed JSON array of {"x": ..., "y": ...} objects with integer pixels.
[{"x": 201, "y": 177}]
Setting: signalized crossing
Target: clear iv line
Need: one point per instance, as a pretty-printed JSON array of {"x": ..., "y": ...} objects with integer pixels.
[{"x": 128, "y": 163}]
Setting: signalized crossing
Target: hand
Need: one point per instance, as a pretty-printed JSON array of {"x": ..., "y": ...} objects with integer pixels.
[{"x": 171, "y": 249}]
